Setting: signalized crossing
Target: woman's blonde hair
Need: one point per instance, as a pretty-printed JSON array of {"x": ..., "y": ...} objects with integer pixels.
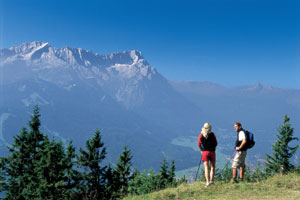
[{"x": 206, "y": 129}]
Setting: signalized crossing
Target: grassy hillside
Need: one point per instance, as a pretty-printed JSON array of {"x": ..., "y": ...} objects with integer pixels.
[{"x": 278, "y": 187}]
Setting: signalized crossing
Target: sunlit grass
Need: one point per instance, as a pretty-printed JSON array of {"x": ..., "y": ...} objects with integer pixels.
[{"x": 278, "y": 187}]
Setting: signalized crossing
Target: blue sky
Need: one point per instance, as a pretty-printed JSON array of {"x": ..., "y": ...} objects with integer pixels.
[{"x": 230, "y": 42}]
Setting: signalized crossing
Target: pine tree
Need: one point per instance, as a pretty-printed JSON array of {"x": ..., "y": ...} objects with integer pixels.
[
  {"x": 3, "y": 175},
  {"x": 36, "y": 167},
  {"x": 171, "y": 174},
  {"x": 21, "y": 180},
  {"x": 122, "y": 172},
  {"x": 282, "y": 152},
  {"x": 72, "y": 175},
  {"x": 92, "y": 185},
  {"x": 163, "y": 174},
  {"x": 51, "y": 170},
  {"x": 111, "y": 190}
]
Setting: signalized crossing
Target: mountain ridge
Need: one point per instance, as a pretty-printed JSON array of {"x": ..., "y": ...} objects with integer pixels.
[
  {"x": 69, "y": 54},
  {"x": 123, "y": 95},
  {"x": 134, "y": 104},
  {"x": 63, "y": 65}
]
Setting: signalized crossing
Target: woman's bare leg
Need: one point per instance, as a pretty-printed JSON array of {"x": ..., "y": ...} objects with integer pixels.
[{"x": 206, "y": 169}]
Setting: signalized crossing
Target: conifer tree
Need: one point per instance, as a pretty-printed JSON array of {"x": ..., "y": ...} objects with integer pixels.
[
  {"x": 51, "y": 170},
  {"x": 171, "y": 174},
  {"x": 21, "y": 180},
  {"x": 282, "y": 152},
  {"x": 163, "y": 174},
  {"x": 111, "y": 190},
  {"x": 36, "y": 167},
  {"x": 122, "y": 172},
  {"x": 3, "y": 184},
  {"x": 72, "y": 175},
  {"x": 92, "y": 185}
]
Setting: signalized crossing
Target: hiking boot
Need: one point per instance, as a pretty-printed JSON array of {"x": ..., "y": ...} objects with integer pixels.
[
  {"x": 241, "y": 180},
  {"x": 234, "y": 181}
]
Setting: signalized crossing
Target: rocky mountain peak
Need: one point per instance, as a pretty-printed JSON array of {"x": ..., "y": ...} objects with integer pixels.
[{"x": 28, "y": 47}]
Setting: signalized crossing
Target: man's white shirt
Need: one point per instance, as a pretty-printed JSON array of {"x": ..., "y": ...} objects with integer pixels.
[{"x": 242, "y": 135}]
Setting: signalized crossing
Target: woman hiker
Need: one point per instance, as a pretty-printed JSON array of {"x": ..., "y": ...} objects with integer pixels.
[{"x": 207, "y": 143}]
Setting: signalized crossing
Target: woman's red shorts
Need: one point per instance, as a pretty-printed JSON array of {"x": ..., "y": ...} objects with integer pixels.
[{"x": 209, "y": 156}]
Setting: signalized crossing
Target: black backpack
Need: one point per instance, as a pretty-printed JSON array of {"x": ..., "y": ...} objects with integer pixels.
[{"x": 250, "y": 139}]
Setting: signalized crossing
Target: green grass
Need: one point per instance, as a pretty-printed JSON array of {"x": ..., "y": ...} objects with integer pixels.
[{"x": 279, "y": 187}]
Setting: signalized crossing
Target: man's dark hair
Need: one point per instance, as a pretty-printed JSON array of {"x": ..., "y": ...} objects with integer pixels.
[{"x": 238, "y": 124}]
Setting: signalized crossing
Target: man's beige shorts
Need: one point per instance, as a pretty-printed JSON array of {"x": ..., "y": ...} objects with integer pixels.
[{"x": 239, "y": 159}]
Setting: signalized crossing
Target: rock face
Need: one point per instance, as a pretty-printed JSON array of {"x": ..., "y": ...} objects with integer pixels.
[
  {"x": 121, "y": 93},
  {"x": 122, "y": 75}
]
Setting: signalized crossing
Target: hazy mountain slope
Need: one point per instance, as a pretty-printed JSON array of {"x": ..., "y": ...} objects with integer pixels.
[
  {"x": 126, "y": 77},
  {"x": 79, "y": 91},
  {"x": 76, "y": 115},
  {"x": 133, "y": 104},
  {"x": 260, "y": 109}
]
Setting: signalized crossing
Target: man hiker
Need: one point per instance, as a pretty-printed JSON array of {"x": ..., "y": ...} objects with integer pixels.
[
  {"x": 207, "y": 143},
  {"x": 241, "y": 152}
]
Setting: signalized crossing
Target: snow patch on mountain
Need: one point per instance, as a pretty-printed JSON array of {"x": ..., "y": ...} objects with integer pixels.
[
  {"x": 36, "y": 50},
  {"x": 123, "y": 75},
  {"x": 41, "y": 55},
  {"x": 26, "y": 48}
]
